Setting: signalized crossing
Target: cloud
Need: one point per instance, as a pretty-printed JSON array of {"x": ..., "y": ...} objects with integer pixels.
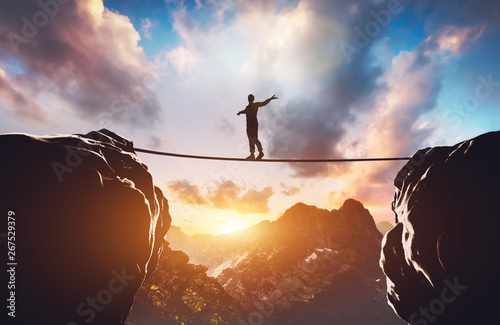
[
  {"x": 407, "y": 90},
  {"x": 223, "y": 195},
  {"x": 182, "y": 59},
  {"x": 22, "y": 103},
  {"x": 254, "y": 201},
  {"x": 292, "y": 49},
  {"x": 454, "y": 38},
  {"x": 83, "y": 53},
  {"x": 342, "y": 93},
  {"x": 413, "y": 83},
  {"x": 186, "y": 192},
  {"x": 146, "y": 26},
  {"x": 464, "y": 27},
  {"x": 362, "y": 109},
  {"x": 463, "y": 13},
  {"x": 289, "y": 190},
  {"x": 289, "y": 48},
  {"x": 337, "y": 112},
  {"x": 227, "y": 195}
]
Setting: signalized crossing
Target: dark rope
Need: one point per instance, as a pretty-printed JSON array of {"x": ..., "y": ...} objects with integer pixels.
[{"x": 268, "y": 160}]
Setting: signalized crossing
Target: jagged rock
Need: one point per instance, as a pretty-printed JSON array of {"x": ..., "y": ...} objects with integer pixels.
[
  {"x": 89, "y": 226},
  {"x": 441, "y": 259}
]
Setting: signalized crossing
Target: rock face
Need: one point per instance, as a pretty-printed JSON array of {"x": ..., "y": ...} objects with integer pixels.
[
  {"x": 89, "y": 226},
  {"x": 311, "y": 266},
  {"x": 441, "y": 259}
]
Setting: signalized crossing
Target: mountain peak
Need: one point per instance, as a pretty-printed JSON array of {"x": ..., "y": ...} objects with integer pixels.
[
  {"x": 356, "y": 216},
  {"x": 354, "y": 209},
  {"x": 352, "y": 204},
  {"x": 301, "y": 213},
  {"x": 300, "y": 205}
]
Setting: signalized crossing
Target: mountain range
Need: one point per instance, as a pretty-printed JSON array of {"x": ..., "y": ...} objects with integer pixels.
[{"x": 310, "y": 266}]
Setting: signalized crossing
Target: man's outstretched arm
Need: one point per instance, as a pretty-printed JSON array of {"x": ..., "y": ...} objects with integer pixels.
[
  {"x": 242, "y": 112},
  {"x": 267, "y": 101}
]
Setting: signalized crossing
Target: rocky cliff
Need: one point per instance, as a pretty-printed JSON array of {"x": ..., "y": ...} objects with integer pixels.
[
  {"x": 88, "y": 226},
  {"x": 441, "y": 259}
]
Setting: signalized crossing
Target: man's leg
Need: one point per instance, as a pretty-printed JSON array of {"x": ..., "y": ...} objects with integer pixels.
[
  {"x": 259, "y": 145},
  {"x": 251, "y": 142}
]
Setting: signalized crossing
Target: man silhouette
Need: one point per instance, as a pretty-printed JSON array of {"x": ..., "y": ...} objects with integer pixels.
[{"x": 253, "y": 125}]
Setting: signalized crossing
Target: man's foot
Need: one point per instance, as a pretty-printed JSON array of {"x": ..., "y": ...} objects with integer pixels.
[
  {"x": 251, "y": 157},
  {"x": 261, "y": 154}
]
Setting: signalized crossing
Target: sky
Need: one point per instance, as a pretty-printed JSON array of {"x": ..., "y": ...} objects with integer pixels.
[{"x": 371, "y": 78}]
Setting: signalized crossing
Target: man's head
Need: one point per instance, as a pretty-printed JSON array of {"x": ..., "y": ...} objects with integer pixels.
[{"x": 251, "y": 98}]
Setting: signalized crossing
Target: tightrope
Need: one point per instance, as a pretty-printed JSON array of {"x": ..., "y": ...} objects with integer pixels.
[{"x": 161, "y": 153}]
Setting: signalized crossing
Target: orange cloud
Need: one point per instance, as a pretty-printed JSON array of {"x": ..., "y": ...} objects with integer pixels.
[
  {"x": 186, "y": 192},
  {"x": 254, "y": 201},
  {"x": 224, "y": 195},
  {"x": 228, "y": 195}
]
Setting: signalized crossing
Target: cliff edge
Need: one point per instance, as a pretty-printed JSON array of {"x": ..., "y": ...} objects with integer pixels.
[
  {"x": 441, "y": 259},
  {"x": 88, "y": 226}
]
